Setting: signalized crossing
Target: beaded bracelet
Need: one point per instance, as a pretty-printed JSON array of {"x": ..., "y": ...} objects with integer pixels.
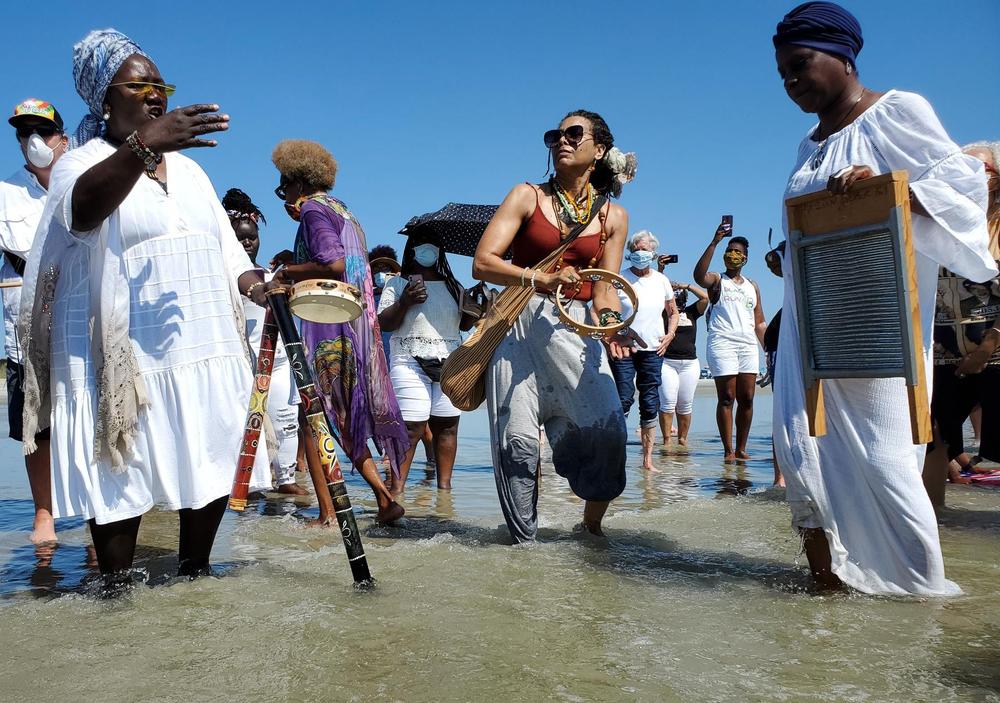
[
  {"x": 534, "y": 272},
  {"x": 146, "y": 155},
  {"x": 608, "y": 315},
  {"x": 252, "y": 287}
]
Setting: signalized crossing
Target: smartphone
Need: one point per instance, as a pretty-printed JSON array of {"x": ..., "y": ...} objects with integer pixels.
[
  {"x": 727, "y": 224},
  {"x": 416, "y": 279},
  {"x": 668, "y": 259}
]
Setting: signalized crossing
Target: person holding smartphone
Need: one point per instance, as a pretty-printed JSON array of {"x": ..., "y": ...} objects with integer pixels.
[
  {"x": 735, "y": 327},
  {"x": 422, "y": 309}
]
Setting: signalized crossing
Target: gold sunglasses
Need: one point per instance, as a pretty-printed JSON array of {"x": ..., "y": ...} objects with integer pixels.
[{"x": 145, "y": 89}]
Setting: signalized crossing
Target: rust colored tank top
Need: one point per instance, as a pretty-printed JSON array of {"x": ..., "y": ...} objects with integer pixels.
[{"x": 538, "y": 238}]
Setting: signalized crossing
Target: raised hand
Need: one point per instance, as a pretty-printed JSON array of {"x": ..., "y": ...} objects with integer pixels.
[{"x": 183, "y": 127}]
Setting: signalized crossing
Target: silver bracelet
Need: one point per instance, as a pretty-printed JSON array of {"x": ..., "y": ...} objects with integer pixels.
[
  {"x": 523, "y": 271},
  {"x": 534, "y": 272}
]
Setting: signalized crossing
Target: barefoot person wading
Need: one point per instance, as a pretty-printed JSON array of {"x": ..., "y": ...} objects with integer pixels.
[
  {"x": 735, "y": 326},
  {"x": 544, "y": 374}
]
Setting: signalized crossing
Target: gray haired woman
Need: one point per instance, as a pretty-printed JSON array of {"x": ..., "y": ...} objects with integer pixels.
[{"x": 642, "y": 368}]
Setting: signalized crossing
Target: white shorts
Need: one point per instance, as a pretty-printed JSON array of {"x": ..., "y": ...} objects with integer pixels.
[
  {"x": 726, "y": 358},
  {"x": 419, "y": 398}
]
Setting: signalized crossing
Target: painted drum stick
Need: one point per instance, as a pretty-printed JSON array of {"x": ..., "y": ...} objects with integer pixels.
[
  {"x": 255, "y": 415},
  {"x": 320, "y": 428}
]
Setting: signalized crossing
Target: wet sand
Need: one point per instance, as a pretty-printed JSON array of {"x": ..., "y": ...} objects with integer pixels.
[{"x": 698, "y": 593}]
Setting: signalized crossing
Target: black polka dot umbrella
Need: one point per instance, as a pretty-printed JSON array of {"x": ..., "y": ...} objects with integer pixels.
[{"x": 458, "y": 226}]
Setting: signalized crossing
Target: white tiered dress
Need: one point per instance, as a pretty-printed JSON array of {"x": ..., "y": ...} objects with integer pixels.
[{"x": 179, "y": 256}]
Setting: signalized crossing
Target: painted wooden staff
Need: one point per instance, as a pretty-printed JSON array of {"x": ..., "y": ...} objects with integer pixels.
[
  {"x": 255, "y": 416},
  {"x": 320, "y": 428}
]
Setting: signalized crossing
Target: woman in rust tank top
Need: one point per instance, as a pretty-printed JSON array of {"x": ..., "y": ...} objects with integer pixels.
[{"x": 543, "y": 374}]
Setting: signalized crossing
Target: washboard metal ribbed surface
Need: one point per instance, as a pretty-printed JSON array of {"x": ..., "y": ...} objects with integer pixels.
[{"x": 856, "y": 294}]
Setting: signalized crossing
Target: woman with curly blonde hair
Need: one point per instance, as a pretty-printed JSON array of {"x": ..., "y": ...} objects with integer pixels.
[{"x": 346, "y": 358}]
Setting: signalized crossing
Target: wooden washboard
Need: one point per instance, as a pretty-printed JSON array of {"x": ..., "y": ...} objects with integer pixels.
[{"x": 856, "y": 292}]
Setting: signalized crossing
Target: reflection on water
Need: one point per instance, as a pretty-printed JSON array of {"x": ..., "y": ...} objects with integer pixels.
[{"x": 697, "y": 593}]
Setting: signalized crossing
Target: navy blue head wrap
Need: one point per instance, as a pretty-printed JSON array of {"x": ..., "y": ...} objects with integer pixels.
[{"x": 824, "y": 26}]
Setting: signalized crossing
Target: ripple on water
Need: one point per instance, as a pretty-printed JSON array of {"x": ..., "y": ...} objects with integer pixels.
[{"x": 696, "y": 594}]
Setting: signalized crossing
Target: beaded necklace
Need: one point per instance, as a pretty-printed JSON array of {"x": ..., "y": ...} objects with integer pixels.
[
  {"x": 600, "y": 248},
  {"x": 572, "y": 209}
]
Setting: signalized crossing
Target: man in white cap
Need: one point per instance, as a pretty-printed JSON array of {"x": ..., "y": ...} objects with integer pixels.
[{"x": 40, "y": 136}]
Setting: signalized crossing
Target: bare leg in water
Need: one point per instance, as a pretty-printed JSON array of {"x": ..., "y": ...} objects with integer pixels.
[
  {"x": 593, "y": 514},
  {"x": 746, "y": 386},
  {"x": 666, "y": 427},
  {"x": 388, "y": 509},
  {"x": 445, "y": 431},
  {"x": 43, "y": 528},
  {"x": 683, "y": 427},
  {"x": 416, "y": 432},
  {"x": 820, "y": 562},
  {"x": 725, "y": 390}
]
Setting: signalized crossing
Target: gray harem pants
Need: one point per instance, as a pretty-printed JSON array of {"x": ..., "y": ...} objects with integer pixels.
[{"x": 544, "y": 374}]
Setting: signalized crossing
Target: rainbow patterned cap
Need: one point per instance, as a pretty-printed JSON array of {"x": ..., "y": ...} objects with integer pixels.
[{"x": 32, "y": 107}]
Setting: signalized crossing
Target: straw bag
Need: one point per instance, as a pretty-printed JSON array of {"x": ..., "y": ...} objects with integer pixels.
[{"x": 463, "y": 378}]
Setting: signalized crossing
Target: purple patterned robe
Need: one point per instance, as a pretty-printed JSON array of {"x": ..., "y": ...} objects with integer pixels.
[{"x": 352, "y": 377}]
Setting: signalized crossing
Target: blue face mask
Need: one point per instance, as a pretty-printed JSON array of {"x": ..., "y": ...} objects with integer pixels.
[
  {"x": 641, "y": 259},
  {"x": 380, "y": 278},
  {"x": 426, "y": 254}
]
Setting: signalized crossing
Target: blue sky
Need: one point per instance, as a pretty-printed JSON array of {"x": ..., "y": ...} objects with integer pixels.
[{"x": 425, "y": 103}]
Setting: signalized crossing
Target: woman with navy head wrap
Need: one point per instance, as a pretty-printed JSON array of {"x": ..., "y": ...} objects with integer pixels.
[
  {"x": 856, "y": 493},
  {"x": 132, "y": 318}
]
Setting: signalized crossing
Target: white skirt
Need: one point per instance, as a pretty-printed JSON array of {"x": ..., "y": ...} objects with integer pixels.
[{"x": 185, "y": 450}]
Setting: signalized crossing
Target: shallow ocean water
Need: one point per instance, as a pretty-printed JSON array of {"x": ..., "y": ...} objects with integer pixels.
[{"x": 697, "y": 593}]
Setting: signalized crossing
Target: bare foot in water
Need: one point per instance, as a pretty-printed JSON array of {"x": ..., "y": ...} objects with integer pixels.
[
  {"x": 593, "y": 528},
  {"x": 729, "y": 458},
  {"x": 43, "y": 531},
  {"x": 390, "y": 513},
  {"x": 742, "y": 456},
  {"x": 292, "y": 489}
]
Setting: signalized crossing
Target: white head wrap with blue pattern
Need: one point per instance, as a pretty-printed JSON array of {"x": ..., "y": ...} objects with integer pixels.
[{"x": 96, "y": 59}]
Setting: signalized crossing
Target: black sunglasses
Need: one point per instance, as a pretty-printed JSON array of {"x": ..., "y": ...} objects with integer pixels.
[
  {"x": 282, "y": 190},
  {"x": 43, "y": 131},
  {"x": 574, "y": 135}
]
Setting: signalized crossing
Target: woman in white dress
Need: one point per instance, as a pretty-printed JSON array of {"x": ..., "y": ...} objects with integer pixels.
[
  {"x": 856, "y": 493},
  {"x": 135, "y": 351}
]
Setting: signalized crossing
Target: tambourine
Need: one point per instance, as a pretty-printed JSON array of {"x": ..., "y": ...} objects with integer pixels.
[
  {"x": 593, "y": 331},
  {"x": 325, "y": 301}
]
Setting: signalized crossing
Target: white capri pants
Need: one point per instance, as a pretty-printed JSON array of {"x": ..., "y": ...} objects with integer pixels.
[
  {"x": 419, "y": 398},
  {"x": 677, "y": 386},
  {"x": 283, "y": 410}
]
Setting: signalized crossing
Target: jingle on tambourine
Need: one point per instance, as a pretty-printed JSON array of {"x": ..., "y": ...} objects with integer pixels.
[
  {"x": 325, "y": 301},
  {"x": 599, "y": 331}
]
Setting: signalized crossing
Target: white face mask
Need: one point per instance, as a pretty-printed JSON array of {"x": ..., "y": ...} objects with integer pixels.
[
  {"x": 38, "y": 153},
  {"x": 426, "y": 254}
]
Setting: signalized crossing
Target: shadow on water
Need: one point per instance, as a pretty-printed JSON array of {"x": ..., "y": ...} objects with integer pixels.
[
  {"x": 643, "y": 555},
  {"x": 967, "y": 519}
]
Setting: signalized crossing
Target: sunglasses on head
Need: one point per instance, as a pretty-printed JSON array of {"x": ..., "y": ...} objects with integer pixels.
[
  {"x": 145, "y": 89},
  {"x": 574, "y": 135},
  {"x": 43, "y": 131},
  {"x": 237, "y": 215}
]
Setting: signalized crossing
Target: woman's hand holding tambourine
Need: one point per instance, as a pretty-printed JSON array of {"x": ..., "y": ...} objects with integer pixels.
[
  {"x": 620, "y": 346},
  {"x": 566, "y": 276}
]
